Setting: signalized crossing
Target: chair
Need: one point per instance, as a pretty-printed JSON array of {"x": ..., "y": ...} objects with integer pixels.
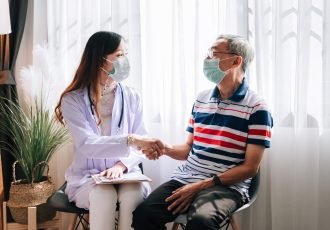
[
  {"x": 60, "y": 202},
  {"x": 181, "y": 220}
]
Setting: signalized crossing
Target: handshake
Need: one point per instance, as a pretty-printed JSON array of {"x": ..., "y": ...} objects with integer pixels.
[{"x": 153, "y": 148}]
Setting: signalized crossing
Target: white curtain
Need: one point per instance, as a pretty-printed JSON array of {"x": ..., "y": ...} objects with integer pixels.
[
  {"x": 167, "y": 41},
  {"x": 291, "y": 70},
  {"x": 71, "y": 23}
]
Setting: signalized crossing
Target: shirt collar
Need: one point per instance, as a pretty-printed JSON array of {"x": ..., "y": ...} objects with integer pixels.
[{"x": 238, "y": 95}]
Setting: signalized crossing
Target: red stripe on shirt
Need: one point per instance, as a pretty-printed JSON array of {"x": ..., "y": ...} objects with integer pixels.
[
  {"x": 191, "y": 121},
  {"x": 235, "y": 110},
  {"x": 260, "y": 132},
  {"x": 198, "y": 107},
  {"x": 220, "y": 133},
  {"x": 218, "y": 142}
]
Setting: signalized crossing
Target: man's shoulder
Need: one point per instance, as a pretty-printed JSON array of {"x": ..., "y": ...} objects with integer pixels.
[
  {"x": 253, "y": 98},
  {"x": 255, "y": 101},
  {"x": 204, "y": 95}
]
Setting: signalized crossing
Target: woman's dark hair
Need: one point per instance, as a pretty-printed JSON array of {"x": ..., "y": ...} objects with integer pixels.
[{"x": 98, "y": 46}]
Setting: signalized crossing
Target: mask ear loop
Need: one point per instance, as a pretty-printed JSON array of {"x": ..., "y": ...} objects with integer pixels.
[
  {"x": 113, "y": 68},
  {"x": 227, "y": 58},
  {"x": 105, "y": 59},
  {"x": 104, "y": 70},
  {"x": 224, "y": 60}
]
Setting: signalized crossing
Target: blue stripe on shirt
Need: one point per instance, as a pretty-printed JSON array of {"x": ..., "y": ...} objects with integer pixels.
[
  {"x": 233, "y": 122},
  {"x": 213, "y": 159},
  {"x": 261, "y": 117},
  {"x": 218, "y": 151}
]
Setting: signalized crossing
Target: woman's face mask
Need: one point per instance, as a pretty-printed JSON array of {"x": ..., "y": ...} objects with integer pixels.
[
  {"x": 120, "y": 69},
  {"x": 212, "y": 70}
]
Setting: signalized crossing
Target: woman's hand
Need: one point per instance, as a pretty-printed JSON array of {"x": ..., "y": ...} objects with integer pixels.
[
  {"x": 114, "y": 172},
  {"x": 151, "y": 154}
]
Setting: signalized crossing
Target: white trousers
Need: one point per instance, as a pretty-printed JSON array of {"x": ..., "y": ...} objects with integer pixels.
[{"x": 102, "y": 205}]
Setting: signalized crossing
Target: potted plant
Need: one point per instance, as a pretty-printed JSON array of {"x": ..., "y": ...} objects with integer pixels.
[{"x": 35, "y": 136}]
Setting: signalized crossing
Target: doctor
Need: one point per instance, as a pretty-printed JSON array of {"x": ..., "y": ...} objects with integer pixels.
[{"x": 105, "y": 120}]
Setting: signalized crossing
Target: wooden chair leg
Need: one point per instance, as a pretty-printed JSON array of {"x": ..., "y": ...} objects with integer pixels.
[
  {"x": 233, "y": 223},
  {"x": 32, "y": 218},
  {"x": 175, "y": 226},
  {"x": 4, "y": 217},
  {"x": 73, "y": 221}
]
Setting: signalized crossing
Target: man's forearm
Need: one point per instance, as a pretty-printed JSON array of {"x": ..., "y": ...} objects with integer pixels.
[
  {"x": 236, "y": 174},
  {"x": 178, "y": 152}
]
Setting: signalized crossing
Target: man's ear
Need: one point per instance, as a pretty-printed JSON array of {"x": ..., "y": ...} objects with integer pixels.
[{"x": 238, "y": 61}]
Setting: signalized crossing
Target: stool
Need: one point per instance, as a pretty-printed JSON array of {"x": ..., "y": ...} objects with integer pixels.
[{"x": 32, "y": 221}]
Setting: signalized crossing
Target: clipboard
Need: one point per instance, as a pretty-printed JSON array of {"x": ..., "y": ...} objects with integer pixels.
[{"x": 126, "y": 178}]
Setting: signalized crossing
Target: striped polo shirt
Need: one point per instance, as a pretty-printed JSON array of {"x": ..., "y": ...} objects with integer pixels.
[{"x": 221, "y": 130}]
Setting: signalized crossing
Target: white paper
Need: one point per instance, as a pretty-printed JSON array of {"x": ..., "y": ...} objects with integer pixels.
[{"x": 126, "y": 178}]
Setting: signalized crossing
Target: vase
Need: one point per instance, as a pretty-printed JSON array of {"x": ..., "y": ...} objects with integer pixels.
[{"x": 23, "y": 195}]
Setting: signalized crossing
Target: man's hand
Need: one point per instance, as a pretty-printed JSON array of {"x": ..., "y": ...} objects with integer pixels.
[
  {"x": 154, "y": 155},
  {"x": 114, "y": 172},
  {"x": 182, "y": 197},
  {"x": 152, "y": 147},
  {"x": 151, "y": 154}
]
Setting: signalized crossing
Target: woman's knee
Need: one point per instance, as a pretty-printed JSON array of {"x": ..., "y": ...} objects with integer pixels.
[
  {"x": 102, "y": 194},
  {"x": 129, "y": 196},
  {"x": 130, "y": 192}
]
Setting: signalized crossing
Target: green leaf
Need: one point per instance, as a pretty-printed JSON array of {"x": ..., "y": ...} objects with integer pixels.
[{"x": 34, "y": 136}]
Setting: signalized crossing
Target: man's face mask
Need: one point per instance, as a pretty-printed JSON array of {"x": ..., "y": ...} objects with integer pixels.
[
  {"x": 212, "y": 70},
  {"x": 120, "y": 69}
]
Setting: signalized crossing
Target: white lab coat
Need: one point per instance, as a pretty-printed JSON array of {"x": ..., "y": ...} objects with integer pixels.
[{"x": 94, "y": 153}]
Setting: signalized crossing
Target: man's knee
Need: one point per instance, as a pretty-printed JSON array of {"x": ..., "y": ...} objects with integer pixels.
[
  {"x": 141, "y": 213},
  {"x": 146, "y": 217},
  {"x": 206, "y": 222}
]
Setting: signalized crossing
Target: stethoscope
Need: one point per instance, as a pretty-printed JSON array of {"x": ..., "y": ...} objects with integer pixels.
[{"x": 91, "y": 103}]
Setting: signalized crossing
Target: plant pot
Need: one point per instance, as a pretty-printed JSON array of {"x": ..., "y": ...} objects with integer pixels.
[{"x": 23, "y": 195}]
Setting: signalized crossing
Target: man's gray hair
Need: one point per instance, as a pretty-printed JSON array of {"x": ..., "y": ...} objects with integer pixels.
[{"x": 240, "y": 46}]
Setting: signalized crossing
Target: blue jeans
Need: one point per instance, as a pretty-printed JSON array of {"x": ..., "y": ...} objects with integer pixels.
[{"x": 209, "y": 208}]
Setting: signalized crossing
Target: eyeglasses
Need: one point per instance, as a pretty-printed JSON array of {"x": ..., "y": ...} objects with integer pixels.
[{"x": 211, "y": 53}]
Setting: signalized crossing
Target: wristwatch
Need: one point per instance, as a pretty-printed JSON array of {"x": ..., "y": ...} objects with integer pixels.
[{"x": 216, "y": 180}]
